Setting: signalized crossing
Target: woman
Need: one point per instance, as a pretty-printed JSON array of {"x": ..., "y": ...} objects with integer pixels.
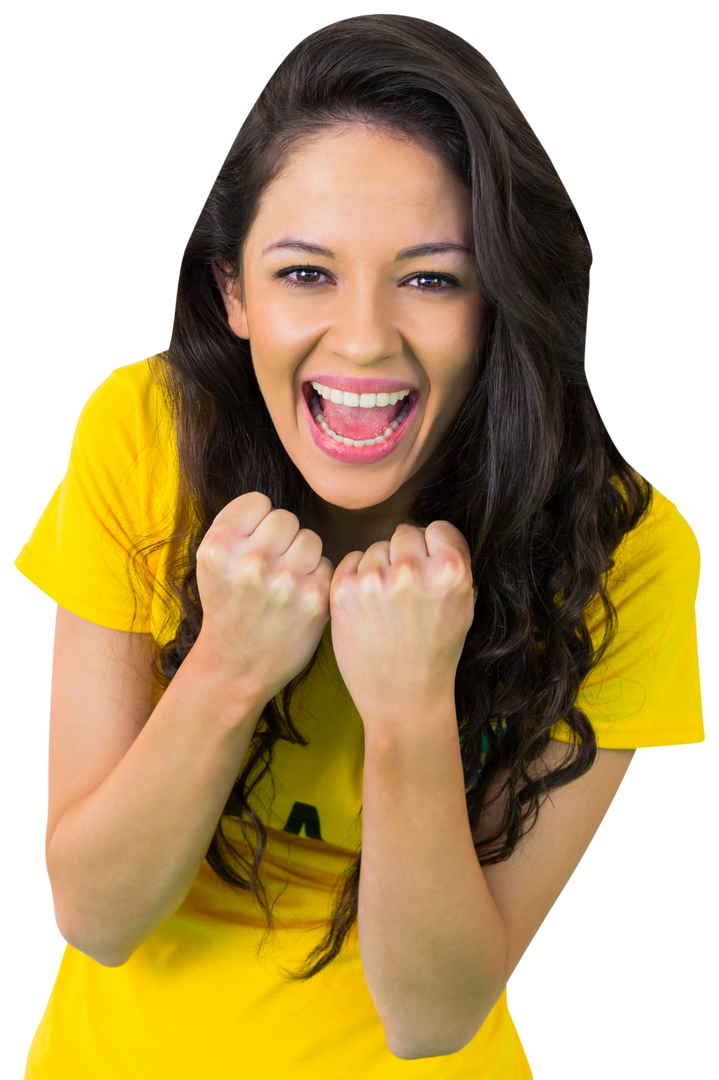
[{"x": 354, "y": 564}]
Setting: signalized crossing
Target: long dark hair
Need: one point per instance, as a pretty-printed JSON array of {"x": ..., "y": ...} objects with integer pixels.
[{"x": 527, "y": 471}]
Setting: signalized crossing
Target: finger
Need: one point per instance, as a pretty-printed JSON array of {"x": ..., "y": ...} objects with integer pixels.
[
  {"x": 443, "y": 534},
  {"x": 324, "y": 572},
  {"x": 349, "y": 564},
  {"x": 377, "y": 555},
  {"x": 407, "y": 540},
  {"x": 245, "y": 513},
  {"x": 451, "y": 555},
  {"x": 275, "y": 533},
  {"x": 304, "y": 553},
  {"x": 346, "y": 568}
]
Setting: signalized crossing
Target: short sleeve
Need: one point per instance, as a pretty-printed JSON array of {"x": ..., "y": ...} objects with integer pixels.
[
  {"x": 115, "y": 502},
  {"x": 645, "y": 690}
]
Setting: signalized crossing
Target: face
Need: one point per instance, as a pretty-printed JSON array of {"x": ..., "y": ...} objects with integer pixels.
[{"x": 362, "y": 308}]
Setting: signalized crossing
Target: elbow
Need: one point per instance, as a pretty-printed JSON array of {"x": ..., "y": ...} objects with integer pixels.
[
  {"x": 95, "y": 946},
  {"x": 411, "y": 1052},
  {"x": 102, "y": 952},
  {"x": 430, "y": 1043},
  {"x": 414, "y": 1047},
  {"x": 450, "y": 1026},
  {"x": 98, "y": 953},
  {"x": 107, "y": 960}
]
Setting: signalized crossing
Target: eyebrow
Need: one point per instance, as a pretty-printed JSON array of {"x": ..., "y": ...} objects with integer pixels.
[{"x": 416, "y": 252}]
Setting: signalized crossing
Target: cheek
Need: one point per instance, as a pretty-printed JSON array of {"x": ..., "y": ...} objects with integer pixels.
[
  {"x": 456, "y": 382},
  {"x": 450, "y": 326},
  {"x": 273, "y": 341}
]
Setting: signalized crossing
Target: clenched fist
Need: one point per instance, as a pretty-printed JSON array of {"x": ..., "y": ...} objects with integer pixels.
[
  {"x": 400, "y": 614},
  {"x": 264, "y": 586}
]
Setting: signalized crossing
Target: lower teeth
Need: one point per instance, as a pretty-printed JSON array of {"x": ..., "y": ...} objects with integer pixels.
[{"x": 321, "y": 422}]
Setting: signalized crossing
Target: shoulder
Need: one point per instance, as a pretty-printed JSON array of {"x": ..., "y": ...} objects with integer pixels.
[
  {"x": 124, "y": 439},
  {"x": 133, "y": 396},
  {"x": 660, "y": 553}
]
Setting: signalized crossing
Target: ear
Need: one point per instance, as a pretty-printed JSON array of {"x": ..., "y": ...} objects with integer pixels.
[{"x": 236, "y": 316}]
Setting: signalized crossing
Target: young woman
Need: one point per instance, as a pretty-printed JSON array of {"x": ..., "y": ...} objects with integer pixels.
[{"x": 354, "y": 564}]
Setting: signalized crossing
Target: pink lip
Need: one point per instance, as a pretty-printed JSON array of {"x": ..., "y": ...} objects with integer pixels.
[
  {"x": 360, "y": 454},
  {"x": 361, "y": 386}
]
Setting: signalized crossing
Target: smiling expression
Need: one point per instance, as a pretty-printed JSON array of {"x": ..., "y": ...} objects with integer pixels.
[{"x": 360, "y": 301}]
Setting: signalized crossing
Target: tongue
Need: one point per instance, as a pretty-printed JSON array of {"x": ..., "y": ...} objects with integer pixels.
[{"x": 356, "y": 423}]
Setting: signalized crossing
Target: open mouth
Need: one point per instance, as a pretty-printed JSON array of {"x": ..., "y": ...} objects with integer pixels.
[
  {"x": 362, "y": 426},
  {"x": 357, "y": 434}
]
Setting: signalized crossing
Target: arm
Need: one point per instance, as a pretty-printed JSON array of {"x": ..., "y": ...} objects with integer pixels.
[
  {"x": 135, "y": 794},
  {"x": 433, "y": 942},
  {"x": 439, "y": 934}
]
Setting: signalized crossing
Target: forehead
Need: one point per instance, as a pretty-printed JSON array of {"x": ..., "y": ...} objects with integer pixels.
[{"x": 363, "y": 184}]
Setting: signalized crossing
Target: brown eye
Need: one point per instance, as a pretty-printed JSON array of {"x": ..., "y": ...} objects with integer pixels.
[
  {"x": 432, "y": 281},
  {"x": 308, "y": 277},
  {"x": 314, "y": 275},
  {"x": 299, "y": 276}
]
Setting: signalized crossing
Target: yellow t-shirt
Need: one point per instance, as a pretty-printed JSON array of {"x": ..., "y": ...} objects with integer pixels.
[{"x": 195, "y": 1000}]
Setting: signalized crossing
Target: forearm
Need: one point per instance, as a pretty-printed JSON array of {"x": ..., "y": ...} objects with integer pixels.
[
  {"x": 431, "y": 938},
  {"x": 122, "y": 859}
]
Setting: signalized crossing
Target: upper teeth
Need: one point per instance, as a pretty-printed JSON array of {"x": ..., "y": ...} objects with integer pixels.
[{"x": 364, "y": 401}]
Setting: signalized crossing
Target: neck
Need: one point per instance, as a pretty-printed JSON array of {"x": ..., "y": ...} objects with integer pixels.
[{"x": 343, "y": 530}]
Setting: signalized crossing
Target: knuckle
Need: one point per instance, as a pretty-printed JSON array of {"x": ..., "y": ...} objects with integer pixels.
[
  {"x": 212, "y": 552},
  {"x": 254, "y": 564},
  {"x": 283, "y": 517},
  {"x": 310, "y": 532},
  {"x": 252, "y": 499}
]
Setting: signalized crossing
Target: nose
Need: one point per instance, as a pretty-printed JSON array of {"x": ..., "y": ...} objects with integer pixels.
[{"x": 363, "y": 330}]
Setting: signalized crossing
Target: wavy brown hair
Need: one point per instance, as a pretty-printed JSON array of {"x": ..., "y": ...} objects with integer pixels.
[{"x": 527, "y": 471}]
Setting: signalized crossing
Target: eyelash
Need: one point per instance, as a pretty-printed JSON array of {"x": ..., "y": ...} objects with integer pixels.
[{"x": 450, "y": 282}]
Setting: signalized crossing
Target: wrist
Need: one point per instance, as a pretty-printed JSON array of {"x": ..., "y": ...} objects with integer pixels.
[
  {"x": 235, "y": 694},
  {"x": 418, "y": 717}
]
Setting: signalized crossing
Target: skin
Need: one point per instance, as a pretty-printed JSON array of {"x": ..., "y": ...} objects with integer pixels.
[{"x": 367, "y": 197}]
